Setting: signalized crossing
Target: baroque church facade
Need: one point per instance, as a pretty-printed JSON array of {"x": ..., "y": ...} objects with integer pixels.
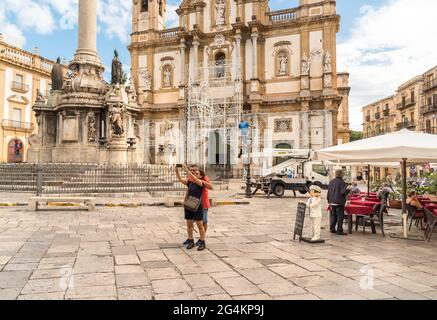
[{"x": 234, "y": 61}]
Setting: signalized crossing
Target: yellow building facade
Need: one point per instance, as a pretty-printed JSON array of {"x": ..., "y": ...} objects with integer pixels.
[
  {"x": 21, "y": 74},
  {"x": 429, "y": 108}
]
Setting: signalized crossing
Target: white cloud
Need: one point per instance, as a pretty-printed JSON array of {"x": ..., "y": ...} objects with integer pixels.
[{"x": 387, "y": 46}]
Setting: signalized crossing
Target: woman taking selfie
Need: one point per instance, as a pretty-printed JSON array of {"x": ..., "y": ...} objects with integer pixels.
[{"x": 193, "y": 205}]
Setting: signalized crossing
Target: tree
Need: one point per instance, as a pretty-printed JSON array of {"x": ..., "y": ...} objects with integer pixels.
[{"x": 356, "y": 135}]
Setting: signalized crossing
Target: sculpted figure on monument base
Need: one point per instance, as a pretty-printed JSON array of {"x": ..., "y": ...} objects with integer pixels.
[{"x": 116, "y": 113}]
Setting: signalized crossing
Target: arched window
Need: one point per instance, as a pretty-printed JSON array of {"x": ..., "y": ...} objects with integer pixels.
[
  {"x": 220, "y": 64},
  {"x": 144, "y": 5}
]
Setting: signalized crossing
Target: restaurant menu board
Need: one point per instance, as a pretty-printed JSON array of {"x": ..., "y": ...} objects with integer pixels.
[{"x": 300, "y": 220}]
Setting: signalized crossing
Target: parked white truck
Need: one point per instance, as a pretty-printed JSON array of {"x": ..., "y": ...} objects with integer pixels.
[{"x": 297, "y": 173}]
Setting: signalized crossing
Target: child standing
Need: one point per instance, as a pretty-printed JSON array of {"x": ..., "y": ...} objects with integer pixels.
[{"x": 315, "y": 207}]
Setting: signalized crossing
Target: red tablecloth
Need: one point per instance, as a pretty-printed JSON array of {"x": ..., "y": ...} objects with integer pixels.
[
  {"x": 362, "y": 210},
  {"x": 372, "y": 199},
  {"x": 435, "y": 212},
  {"x": 363, "y": 203},
  {"x": 423, "y": 202},
  {"x": 430, "y": 206},
  {"x": 372, "y": 194}
]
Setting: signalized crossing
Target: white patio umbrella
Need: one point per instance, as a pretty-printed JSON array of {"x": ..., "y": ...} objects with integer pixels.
[{"x": 404, "y": 146}]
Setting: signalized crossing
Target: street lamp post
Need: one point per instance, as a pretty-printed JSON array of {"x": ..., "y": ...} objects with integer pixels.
[{"x": 248, "y": 174}]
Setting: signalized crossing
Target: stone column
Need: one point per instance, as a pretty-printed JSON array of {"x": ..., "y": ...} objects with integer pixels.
[
  {"x": 87, "y": 34},
  {"x": 238, "y": 62},
  {"x": 196, "y": 58},
  {"x": 305, "y": 131},
  {"x": 254, "y": 56},
  {"x": 182, "y": 71},
  {"x": 182, "y": 63}
]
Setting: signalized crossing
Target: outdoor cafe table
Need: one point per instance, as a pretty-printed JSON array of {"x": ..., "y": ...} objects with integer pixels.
[
  {"x": 354, "y": 210},
  {"x": 364, "y": 203}
]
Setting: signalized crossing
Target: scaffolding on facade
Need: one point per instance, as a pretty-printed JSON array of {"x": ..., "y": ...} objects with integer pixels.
[{"x": 215, "y": 104}]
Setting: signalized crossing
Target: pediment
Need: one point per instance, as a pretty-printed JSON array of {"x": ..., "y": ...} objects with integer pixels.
[{"x": 18, "y": 99}]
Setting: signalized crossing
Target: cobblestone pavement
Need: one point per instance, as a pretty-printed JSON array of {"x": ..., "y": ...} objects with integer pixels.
[{"x": 137, "y": 254}]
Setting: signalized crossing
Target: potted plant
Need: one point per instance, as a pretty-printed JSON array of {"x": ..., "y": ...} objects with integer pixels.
[{"x": 395, "y": 201}]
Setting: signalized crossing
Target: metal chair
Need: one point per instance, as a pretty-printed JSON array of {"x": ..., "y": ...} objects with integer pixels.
[
  {"x": 415, "y": 214},
  {"x": 377, "y": 216},
  {"x": 431, "y": 221}
]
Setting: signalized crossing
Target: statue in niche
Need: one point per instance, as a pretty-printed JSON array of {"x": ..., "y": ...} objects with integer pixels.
[
  {"x": 146, "y": 78},
  {"x": 327, "y": 62},
  {"x": 305, "y": 65},
  {"x": 136, "y": 128},
  {"x": 167, "y": 76},
  {"x": 57, "y": 75},
  {"x": 116, "y": 116},
  {"x": 283, "y": 64},
  {"x": 92, "y": 127},
  {"x": 117, "y": 70},
  {"x": 144, "y": 5},
  {"x": 220, "y": 12}
]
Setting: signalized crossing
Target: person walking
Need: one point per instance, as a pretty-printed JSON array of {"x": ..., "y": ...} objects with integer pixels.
[
  {"x": 193, "y": 206},
  {"x": 337, "y": 196}
]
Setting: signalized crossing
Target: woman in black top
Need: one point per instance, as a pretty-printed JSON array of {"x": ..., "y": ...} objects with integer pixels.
[{"x": 195, "y": 189}]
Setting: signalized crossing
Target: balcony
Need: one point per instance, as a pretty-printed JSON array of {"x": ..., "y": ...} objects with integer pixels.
[
  {"x": 18, "y": 126},
  {"x": 282, "y": 16},
  {"x": 378, "y": 115},
  {"x": 406, "y": 125},
  {"x": 168, "y": 34},
  {"x": 430, "y": 85},
  {"x": 386, "y": 112},
  {"x": 405, "y": 105},
  {"x": 20, "y": 87},
  {"x": 429, "y": 108}
]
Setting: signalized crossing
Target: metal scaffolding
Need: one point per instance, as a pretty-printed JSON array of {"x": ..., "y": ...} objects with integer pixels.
[{"x": 215, "y": 103}]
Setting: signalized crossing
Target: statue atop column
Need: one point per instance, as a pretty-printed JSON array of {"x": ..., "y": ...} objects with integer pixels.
[
  {"x": 57, "y": 75},
  {"x": 117, "y": 70}
]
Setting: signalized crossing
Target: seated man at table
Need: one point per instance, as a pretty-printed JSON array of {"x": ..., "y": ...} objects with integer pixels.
[
  {"x": 413, "y": 201},
  {"x": 355, "y": 190},
  {"x": 385, "y": 191}
]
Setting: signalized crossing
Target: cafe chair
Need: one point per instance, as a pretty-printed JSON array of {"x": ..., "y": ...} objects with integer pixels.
[
  {"x": 377, "y": 216},
  {"x": 431, "y": 221},
  {"x": 415, "y": 214}
]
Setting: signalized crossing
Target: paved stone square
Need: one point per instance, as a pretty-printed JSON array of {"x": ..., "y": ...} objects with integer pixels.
[{"x": 136, "y": 253}]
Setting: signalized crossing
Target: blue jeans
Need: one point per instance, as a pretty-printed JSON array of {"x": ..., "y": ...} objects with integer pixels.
[{"x": 205, "y": 216}]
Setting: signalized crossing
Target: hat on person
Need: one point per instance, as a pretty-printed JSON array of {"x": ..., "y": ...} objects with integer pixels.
[{"x": 316, "y": 189}]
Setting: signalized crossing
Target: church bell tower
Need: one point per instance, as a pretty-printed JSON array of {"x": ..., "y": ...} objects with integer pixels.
[{"x": 149, "y": 15}]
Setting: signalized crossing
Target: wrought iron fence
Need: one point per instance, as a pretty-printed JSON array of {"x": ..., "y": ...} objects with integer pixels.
[{"x": 88, "y": 178}]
